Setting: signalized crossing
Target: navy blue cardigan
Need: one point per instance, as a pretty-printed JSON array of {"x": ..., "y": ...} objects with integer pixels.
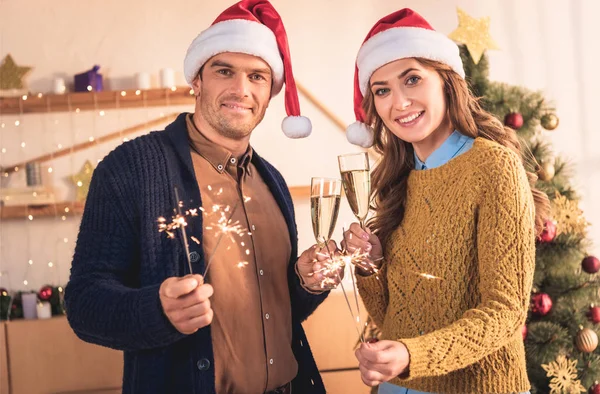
[{"x": 121, "y": 259}]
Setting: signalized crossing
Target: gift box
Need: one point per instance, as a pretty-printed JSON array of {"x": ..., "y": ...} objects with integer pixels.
[{"x": 89, "y": 78}]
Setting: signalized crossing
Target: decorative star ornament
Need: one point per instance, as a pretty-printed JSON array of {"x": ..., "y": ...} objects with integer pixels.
[
  {"x": 11, "y": 75},
  {"x": 82, "y": 180},
  {"x": 569, "y": 217},
  {"x": 564, "y": 376},
  {"x": 474, "y": 33}
]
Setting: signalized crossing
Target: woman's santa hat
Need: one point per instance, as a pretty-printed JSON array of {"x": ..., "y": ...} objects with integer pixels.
[
  {"x": 402, "y": 34},
  {"x": 252, "y": 27}
]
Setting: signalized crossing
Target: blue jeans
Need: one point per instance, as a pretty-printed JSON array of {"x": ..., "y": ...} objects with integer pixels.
[{"x": 388, "y": 388}]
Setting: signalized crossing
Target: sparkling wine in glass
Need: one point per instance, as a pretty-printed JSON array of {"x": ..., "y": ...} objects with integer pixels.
[
  {"x": 324, "y": 207},
  {"x": 356, "y": 177}
]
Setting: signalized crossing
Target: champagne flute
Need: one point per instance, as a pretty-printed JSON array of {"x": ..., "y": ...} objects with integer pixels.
[
  {"x": 324, "y": 207},
  {"x": 356, "y": 177},
  {"x": 325, "y": 195}
]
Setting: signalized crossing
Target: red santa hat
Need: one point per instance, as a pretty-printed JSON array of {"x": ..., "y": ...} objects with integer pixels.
[
  {"x": 252, "y": 27},
  {"x": 402, "y": 34}
]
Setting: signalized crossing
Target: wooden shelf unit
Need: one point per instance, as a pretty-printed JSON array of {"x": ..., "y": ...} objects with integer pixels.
[{"x": 90, "y": 101}]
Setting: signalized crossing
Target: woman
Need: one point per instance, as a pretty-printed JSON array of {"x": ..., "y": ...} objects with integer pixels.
[{"x": 453, "y": 232}]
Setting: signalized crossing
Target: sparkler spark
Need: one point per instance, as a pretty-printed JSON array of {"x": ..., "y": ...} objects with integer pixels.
[
  {"x": 222, "y": 226},
  {"x": 177, "y": 222},
  {"x": 428, "y": 276}
]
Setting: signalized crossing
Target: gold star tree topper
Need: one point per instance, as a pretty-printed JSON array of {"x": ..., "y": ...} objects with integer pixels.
[
  {"x": 11, "y": 75},
  {"x": 82, "y": 181},
  {"x": 474, "y": 33},
  {"x": 564, "y": 376}
]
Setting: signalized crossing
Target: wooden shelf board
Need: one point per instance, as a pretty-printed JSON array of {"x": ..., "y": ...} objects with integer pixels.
[
  {"x": 76, "y": 208},
  {"x": 50, "y": 210},
  {"x": 90, "y": 101}
]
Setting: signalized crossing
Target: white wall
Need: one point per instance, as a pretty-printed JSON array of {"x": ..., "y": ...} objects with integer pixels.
[{"x": 545, "y": 44}]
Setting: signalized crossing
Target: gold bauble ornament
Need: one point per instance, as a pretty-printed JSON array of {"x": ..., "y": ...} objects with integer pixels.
[
  {"x": 547, "y": 171},
  {"x": 549, "y": 121},
  {"x": 586, "y": 340}
]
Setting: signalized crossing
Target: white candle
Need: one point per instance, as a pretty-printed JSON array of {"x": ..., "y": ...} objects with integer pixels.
[
  {"x": 142, "y": 80},
  {"x": 29, "y": 301},
  {"x": 44, "y": 311},
  {"x": 59, "y": 86},
  {"x": 167, "y": 78}
]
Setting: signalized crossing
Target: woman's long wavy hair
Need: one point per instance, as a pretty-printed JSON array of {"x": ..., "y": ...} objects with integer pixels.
[{"x": 389, "y": 177}]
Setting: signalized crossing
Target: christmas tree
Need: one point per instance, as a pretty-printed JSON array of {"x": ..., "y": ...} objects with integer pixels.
[{"x": 561, "y": 333}]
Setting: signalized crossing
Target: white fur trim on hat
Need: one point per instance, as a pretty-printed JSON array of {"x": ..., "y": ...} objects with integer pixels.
[
  {"x": 296, "y": 126},
  {"x": 404, "y": 42},
  {"x": 235, "y": 35},
  {"x": 360, "y": 134}
]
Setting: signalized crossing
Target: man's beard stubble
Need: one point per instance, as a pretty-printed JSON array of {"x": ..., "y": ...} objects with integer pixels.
[{"x": 224, "y": 126}]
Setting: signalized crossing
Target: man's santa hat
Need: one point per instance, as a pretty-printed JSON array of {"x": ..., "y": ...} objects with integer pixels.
[
  {"x": 402, "y": 34},
  {"x": 252, "y": 27}
]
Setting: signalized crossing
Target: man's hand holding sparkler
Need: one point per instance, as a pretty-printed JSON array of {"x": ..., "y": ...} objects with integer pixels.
[
  {"x": 186, "y": 302},
  {"x": 321, "y": 268}
]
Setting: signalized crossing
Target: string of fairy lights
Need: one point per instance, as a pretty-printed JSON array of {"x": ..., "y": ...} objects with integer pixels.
[{"x": 19, "y": 124}]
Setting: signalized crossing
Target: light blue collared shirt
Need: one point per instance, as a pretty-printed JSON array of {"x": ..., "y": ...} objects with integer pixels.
[{"x": 456, "y": 144}]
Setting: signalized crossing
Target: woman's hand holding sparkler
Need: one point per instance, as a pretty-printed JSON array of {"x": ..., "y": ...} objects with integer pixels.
[
  {"x": 321, "y": 267},
  {"x": 382, "y": 361},
  {"x": 186, "y": 302},
  {"x": 364, "y": 245}
]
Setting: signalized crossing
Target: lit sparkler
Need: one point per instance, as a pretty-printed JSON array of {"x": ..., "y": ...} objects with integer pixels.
[{"x": 221, "y": 227}]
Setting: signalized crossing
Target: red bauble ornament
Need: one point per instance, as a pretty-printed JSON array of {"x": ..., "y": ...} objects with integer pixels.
[
  {"x": 549, "y": 232},
  {"x": 45, "y": 293},
  {"x": 524, "y": 332},
  {"x": 514, "y": 120},
  {"x": 595, "y": 389},
  {"x": 542, "y": 304},
  {"x": 590, "y": 264},
  {"x": 594, "y": 314}
]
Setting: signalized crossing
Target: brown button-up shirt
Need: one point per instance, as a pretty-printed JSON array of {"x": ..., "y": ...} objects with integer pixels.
[{"x": 252, "y": 324}]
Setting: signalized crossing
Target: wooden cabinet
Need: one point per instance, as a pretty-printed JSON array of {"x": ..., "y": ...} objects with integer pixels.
[{"x": 46, "y": 357}]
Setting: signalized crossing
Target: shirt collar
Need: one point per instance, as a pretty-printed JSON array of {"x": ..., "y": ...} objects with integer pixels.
[
  {"x": 448, "y": 150},
  {"x": 218, "y": 156}
]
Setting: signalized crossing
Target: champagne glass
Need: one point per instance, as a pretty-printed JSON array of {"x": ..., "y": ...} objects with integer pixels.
[
  {"x": 324, "y": 207},
  {"x": 356, "y": 177}
]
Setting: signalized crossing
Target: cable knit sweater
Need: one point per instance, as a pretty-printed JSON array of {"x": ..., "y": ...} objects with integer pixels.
[
  {"x": 121, "y": 260},
  {"x": 455, "y": 283}
]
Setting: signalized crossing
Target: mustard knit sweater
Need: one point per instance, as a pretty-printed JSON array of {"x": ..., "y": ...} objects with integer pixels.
[{"x": 468, "y": 226}]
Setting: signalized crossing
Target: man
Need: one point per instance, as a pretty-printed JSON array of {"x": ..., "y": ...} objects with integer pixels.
[{"x": 240, "y": 332}]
